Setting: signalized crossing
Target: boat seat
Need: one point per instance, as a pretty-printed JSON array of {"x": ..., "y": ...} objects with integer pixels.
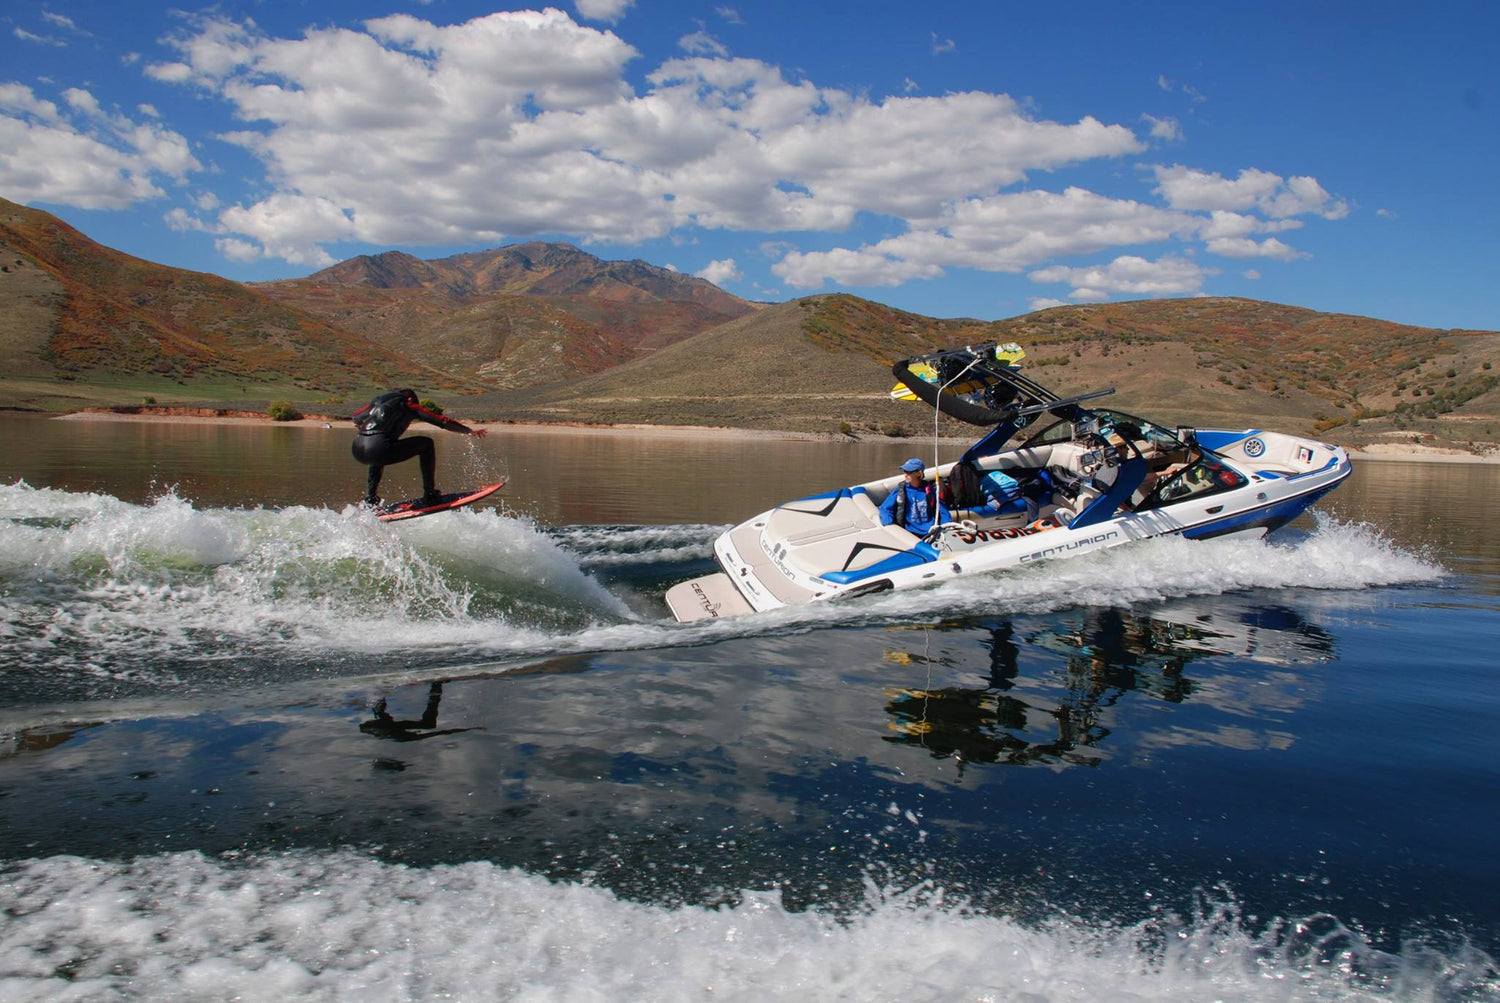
[
  {"x": 1069, "y": 508},
  {"x": 1012, "y": 513}
]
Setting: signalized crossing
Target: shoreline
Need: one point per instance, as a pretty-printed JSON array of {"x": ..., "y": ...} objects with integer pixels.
[
  {"x": 1377, "y": 453},
  {"x": 205, "y": 417}
]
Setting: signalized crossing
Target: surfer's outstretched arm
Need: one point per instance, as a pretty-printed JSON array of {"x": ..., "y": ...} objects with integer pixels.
[{"x": 433, "y": 418}]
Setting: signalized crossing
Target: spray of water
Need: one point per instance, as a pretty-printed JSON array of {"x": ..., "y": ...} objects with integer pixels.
[
  {"x": 335, "y": 926},
  {"x": 118, "y": 597}
]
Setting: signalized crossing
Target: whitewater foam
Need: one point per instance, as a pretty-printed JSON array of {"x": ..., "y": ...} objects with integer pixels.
[
  {"x": 335, "y": 926},
  {"x": 152, "y": 595}
]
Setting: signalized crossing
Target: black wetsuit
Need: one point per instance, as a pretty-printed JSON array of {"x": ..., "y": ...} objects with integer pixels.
[{"x": 379, "y": 441}]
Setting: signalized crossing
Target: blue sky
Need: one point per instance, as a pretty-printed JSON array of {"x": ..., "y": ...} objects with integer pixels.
[{"x": 955, "y": 159}]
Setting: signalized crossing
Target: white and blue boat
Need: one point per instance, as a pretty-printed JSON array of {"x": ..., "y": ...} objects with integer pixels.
[{"x": 1082, "y": 478}]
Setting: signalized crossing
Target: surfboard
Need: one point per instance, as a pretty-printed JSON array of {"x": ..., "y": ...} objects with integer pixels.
[
  {"x": 412, "y": 508},
  {"x": 1009, "y": 353}
]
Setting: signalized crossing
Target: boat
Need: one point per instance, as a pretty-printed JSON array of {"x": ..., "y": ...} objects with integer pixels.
[{"x": 1087, "y": 477}]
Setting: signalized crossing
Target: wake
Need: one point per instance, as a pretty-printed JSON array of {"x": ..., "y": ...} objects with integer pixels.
[
  {"x": 334, "y": 926},
  {"x": 100, "y": 597}
]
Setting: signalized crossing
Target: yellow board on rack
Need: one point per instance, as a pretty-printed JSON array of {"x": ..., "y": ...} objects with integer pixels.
[{"x": 1009, "y": 353}]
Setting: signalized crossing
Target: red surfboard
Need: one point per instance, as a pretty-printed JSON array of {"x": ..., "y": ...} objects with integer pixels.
[{"x": 413, "y": 508}]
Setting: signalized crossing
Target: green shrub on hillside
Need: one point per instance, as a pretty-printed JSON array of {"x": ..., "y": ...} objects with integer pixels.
[{"x": 282, "y": 411}]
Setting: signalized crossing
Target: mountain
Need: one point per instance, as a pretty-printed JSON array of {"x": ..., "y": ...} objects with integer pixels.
[
  {"x": 513, "y": 316},
  {"x": 76, "y": 312},
  {"x": 546, "y": 332},
  {"x": 808, "y": 365},
  {"x": 822, "y": 363},
  {"x": 1245, "y": 362}
]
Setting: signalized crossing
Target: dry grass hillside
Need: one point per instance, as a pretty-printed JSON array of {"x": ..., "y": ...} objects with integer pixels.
[
  {"x": 492, "y": 341},
  {"x": 815, "y": 364},
  {"x": 1229, "y": 361},
  {"x": 823, "y": 363},
  {"x": 514, "y": 315},
  {"x": 546, "y": 332},
  {"x": 84, "y": 322}
]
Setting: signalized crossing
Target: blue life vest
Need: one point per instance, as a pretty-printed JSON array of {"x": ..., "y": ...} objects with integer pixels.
[{"x": 900, "y": 510}]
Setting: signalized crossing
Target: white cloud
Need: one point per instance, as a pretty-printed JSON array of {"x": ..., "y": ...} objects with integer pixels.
[
  {"x": 1244, "y": 247},
  {"x": 290, "y": 227},
  {"x": 81, "y": 101},
  {"x": 941, "y": 46},
  {"x": 1303, "y": 195},
  {"x": 27, "y": 36},
  {"x": 436, "y": 116},
  {"x": 85, "y": 157},
  {"x": 170, "y": 73},
  {"x": 721, "y": 271},
  {"x": 1170, "y": 86},
  {"x": 1003, "y": 233},
  {"x": 519, "y": 123},
  {"x": 603, "y": 10},
  {"x": 182, "y": 221},
  {"x": 1130, "y": 275},
  {"x": 701, "y": 43},
  {"x": 864, "y": 267},
  {"x": 1262, "y": 191},
  {"x": 1166, "y": 129},
  {"x": 19, "y": 99},
  {"x": 237, "y": 250}
]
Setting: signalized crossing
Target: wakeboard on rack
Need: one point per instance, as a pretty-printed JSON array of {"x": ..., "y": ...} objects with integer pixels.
[{"x": 414, "y": 507}]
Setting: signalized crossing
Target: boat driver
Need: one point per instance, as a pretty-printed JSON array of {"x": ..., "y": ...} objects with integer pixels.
[{"x": 913, "y": 503}]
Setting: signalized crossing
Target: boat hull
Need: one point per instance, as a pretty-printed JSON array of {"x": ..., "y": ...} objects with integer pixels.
[{"x": 834, "y": 546}]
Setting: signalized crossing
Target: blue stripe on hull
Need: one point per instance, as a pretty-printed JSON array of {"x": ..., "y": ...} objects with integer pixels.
[{"x": 1272, "y": 517}]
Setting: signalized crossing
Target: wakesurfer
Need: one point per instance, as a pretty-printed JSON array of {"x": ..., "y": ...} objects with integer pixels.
[{"x": 379, "y": 444}]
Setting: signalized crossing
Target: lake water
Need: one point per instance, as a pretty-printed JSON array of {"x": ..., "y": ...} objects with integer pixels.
[{"x": 254, "y": 744}]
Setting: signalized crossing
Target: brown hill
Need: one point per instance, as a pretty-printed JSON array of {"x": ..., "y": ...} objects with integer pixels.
[
  {"x": 83, "y": 324},
  {"x": 76, "y": 312},
  {"x": 1245, "y": 362},
  {"x": 822, "y": 362},
  {"x": 513, "y": 315},
  {"x": 813, "y": 364}
]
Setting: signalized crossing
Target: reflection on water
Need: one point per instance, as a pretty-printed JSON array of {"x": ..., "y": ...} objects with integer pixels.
[
  {"x": 1107, "y": 653},
  {"x": 383, "y": 725},
  {"x": 1443, "y": 509}
]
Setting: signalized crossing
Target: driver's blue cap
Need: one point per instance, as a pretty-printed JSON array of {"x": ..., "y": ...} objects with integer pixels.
[{"x": 912, "y": 465}]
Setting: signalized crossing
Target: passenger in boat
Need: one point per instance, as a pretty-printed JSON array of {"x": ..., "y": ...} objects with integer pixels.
[
  {"x": 913, "y": 503},
  {"x": 1158, "y": 460},
  {"x": 379, "y": 444}
]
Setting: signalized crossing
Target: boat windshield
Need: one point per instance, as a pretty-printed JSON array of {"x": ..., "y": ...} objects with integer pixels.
[
  {"x": 1149, "y": 436},
  {"x": 1204, "y": 476}
]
